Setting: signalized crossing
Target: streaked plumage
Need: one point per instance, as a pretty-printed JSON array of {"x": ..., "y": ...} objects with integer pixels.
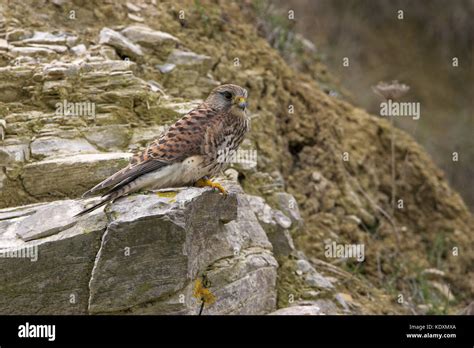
[{"x": 192, "y": 148}]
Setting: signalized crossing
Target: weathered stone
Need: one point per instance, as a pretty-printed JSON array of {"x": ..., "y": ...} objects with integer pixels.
[
  {"x": 144, "y": 258},
  {"x": 135, "y": 17},
  {"x": 3, "y": 180},
  {"x": 289, "y": 206},
  {"x": 319, "y": 307},
  {"x": 109, "y": 138},
  {"x": 147, "y": 37},
  {"x": 180, "y": 107},
  {"x": 132, "y": 7},
  {"x": 15, "y": 212},
  {"x": 18, "y": 34},
  {"x": 10, "y": 154},
  {"x": 57, "y": 282},
  {"x": 59, "y": 2},
  {"x": 346, "y": 301},
  {"x": 32, "y": 51},
  {"x": 303, "y": 266},
  {"x": 54, "y": 146},
  {"x": 3, "y": 126},
  {"x": 166, "y": 68},
  {"x": 70, "y": 175},
  {"x": 55, "y": 48},
  {"x": 312, "y": 277},
  {"x": 41, "y": 37},
  {"x": 179, "y": 57},
  {"x": 48, "y": 220},
  {"x": 276, "y": 225},
  {"x": 316, "y": 280},
  {"x": 79, "y": 50},
  {"x": 124, "y": 46},
  {"x": 3, "y": 45}
]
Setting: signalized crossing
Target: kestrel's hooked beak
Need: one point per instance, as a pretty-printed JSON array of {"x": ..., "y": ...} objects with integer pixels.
[{"x": 241, "y": 102}]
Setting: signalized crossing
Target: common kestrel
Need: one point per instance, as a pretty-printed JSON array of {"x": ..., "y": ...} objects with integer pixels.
[{"x": 191, "y": 151}]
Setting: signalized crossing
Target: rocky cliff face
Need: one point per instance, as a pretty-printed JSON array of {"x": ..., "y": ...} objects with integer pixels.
[{"x": 82, "y": 86}]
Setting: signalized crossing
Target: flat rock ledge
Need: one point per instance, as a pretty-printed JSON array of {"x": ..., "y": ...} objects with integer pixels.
[{"x": 139, "y": 255}]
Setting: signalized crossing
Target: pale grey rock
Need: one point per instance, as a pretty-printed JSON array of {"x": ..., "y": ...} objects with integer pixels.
[
  {"x": 316, "y": 176},
  {"x": 60, "y": 2},
  {"x": 3, "y": 126},
  {"x": 48, "y": 220},
  {"x": 107, "y": 52},
  {"x": 179, "y": 57},
  {"x": 253, "y": 279},
  {"x": 135, "y": 17},
  {"x": 263, "y": 211},
  {"x": 319, "y": 307},
  {"x": 141, "y": 256},
  {"x": 79, "y": 50},
  {"x": 108, "y": 138},
  {"x": 156, "y": 87},
  {"x": 55, "y": 48},
  {"x": 289, "y": 206},
  {"x": 147, "y": 37},
  {"x": 18, "y": 34},
  {"x": 312, "y": 277},
  {"x": 15, "y": 212},
  {"x": 166, "y": 68},
  {"x": 303, "y": 266},
  {"x": 281, "y": 219},
  {"x": 3, "y": 45},
  {"x": 54, "y": 146},
  {"x": 58, "y": 281},
  {"x": 316, "y": 280},
  {"x": 11, "y": 154},
  {"x": 59, "y": 70},
  {"x": 123, "y": 45},
  {"x": 3, "y": 180},
  {"x": 71, "y": 175},
  {"x": 276, "y": 225},
  {"x": 341, "y": 300},
  {"x": 132, "y": 7},
  {"x": 41, "y": 37},
  {"x": 23, "y": 60},
  {"x": 180, "y": 107},
  {"x": 32, "y": 52}
]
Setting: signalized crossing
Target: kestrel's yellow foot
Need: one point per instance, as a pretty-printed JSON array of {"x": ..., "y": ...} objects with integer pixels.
[{"x": 206, "y": 182}]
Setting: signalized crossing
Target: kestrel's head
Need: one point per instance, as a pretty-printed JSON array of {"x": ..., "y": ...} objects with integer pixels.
[{"x": 228, "y": 97}]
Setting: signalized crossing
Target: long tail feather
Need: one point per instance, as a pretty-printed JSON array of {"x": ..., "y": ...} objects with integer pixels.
[
  {"x": 94, "y": 207},
  {"x": 126, "y": 186}
]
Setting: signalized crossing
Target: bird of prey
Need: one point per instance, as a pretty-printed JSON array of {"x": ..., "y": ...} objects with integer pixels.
[{"x": 191, "y": 151}]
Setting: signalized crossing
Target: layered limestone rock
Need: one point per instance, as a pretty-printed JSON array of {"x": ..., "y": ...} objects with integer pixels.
[
  {"x": 143, "y": 254},
  {"x": 96, "y": 109}
]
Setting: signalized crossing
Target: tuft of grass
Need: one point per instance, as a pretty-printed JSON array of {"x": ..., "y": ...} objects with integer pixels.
[{"x": 437, "y": 252}]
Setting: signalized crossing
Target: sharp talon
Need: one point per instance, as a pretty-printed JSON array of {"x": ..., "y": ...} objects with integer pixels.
[{"x": 209, "y": 183}]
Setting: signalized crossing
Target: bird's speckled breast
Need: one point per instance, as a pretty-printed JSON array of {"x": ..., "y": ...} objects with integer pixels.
[{"x": 233, "y": 136}]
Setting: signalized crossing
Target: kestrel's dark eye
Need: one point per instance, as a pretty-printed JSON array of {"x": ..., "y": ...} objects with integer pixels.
[{"x": 227, "y": 95}]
